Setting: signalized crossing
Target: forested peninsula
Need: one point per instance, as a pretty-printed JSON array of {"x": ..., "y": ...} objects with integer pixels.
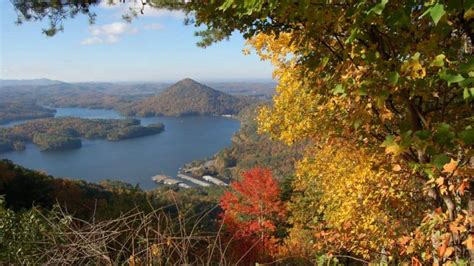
[
  {"x": 22, "y": 110},
  {"x": 66, "y": 133}
]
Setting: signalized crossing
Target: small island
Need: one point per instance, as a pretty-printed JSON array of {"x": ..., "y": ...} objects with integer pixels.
[{"x": 65, "y": 133}]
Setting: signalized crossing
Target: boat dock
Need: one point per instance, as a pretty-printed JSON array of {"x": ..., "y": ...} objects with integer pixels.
[
  {"x": 214, "y": 180},
  {"x": 168, "y": 180},
  {"x": 194, "y": 180},
  {"x": 186, "y": 181},
  {"x": 159, "y": 178}
]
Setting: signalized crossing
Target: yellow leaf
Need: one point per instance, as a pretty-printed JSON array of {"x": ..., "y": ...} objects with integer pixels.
[
  {"x": 450, "y": 167},
  {"x": 449, "y": 251},
  {"x": 396, "y": 168},
  {"x": 394, "y": 149},
  {"x": 440, "y": 181},
  {"x": 469, "y": 242},
  {"x": 456, "y": 228}
]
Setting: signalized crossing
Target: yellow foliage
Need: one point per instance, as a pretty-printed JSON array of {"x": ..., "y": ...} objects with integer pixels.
[
  {"x": 351, "y": 202},
  {"x": 362, "y": 200},
  {"x": 413, "y": 69}
]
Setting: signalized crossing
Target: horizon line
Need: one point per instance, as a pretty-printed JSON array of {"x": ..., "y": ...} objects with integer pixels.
[{"x": 147, "y": 81}]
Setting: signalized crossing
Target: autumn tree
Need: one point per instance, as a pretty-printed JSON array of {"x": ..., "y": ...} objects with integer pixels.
[
  {"x": 391, "y": 79},
  {"x": 395, "y": 77},
  {"x": 351, "y": 201},
  {"x": 252, "y": 211}
]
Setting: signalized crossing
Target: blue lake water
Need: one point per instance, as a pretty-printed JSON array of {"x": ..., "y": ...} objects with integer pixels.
[{"x": 133, "y": 160}]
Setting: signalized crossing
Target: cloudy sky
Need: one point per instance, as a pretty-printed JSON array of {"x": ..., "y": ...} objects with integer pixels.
[{"x": 155, "y": 47}]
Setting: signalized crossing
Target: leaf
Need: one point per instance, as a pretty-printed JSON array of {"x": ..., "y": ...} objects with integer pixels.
[
  {"x": 416, "y": 56},
  {"x": 444, "y": 246},
  {"x": 469, "y": 242},
  {"x": 339, "y": 89},
  {"x": 468, "y": 66},
  {"x": 404, "y": 240},
  {"x": 451, "y": 78},
  {"x": 440, "y": 181},
  {"x": 440, "y": 160},
  {"x": 438, "y": 61},
  {"x": 423, "y": 134},
  {"x": 467, "y": 136},
  {"x": 450, "y": 167},
  {"x": 353, "y": 35},
  {"x": 468, "y": 93},
  {"x": 226, "y": 5},
  {"x": 436, "y": 12},
  {"x": 357, "y": 123},
  {"x": 378, "y": 8},
  {"x": 393, "y": 78},
  {"x": 441, "y": 250},
  {"x": 324, "y": 61},
  {"x": 463, "y": 186},
  {"x": 469, "y": 14},
  {"x": 391, "y": 147},
  {"x": 396, "y": 168},
  {"x": 443, "y": 134},
  {"x": 449, "y": 251}
]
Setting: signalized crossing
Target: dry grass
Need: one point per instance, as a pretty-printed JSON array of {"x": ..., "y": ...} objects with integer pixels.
[{"x": 136, "y": 238}]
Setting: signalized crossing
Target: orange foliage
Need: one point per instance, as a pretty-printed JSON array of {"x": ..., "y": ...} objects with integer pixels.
[{"x": 252, "y": 210}]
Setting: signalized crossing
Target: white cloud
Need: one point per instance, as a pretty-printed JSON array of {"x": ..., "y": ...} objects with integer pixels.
[
  {"x": 92, "y": 41},
  {"x": 108, "y": 33},
  {"x": 153, "y": 26}
]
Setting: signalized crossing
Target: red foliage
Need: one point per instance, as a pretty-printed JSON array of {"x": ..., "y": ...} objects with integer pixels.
[{"x": 252, "y": 209}]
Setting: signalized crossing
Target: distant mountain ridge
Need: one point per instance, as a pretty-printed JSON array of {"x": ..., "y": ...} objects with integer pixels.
[
  {"x": 188, "y": 97},
  {"x": 29, "y": 82}
]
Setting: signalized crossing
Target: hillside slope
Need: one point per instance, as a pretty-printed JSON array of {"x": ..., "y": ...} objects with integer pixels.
[{"x": 188, "y": 97}]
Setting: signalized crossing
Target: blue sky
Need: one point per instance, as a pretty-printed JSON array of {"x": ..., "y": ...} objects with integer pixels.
[{"x": 156, "y": 46}]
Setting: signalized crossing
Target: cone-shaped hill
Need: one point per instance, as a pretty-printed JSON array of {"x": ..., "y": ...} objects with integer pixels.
[{"x": 188, "y": 97}]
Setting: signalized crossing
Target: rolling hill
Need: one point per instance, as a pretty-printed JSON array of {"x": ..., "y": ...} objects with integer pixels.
[{"x": 188, "y": 97}]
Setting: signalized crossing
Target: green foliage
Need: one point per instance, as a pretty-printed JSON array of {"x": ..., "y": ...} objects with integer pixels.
[{"x": 24, "y": 233}]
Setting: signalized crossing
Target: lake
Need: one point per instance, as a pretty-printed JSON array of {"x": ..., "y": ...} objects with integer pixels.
[{"x": 133, "y": 160}]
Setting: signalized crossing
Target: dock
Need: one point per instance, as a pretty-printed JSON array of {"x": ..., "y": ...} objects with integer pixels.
[
  {"x": 159, "y": 178},
  {"x": 194, "y": 180},
  {"x": 214, "y": 180},
  {"x": 184, "y": 185},
  {"x": 168, "y": 180}
]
